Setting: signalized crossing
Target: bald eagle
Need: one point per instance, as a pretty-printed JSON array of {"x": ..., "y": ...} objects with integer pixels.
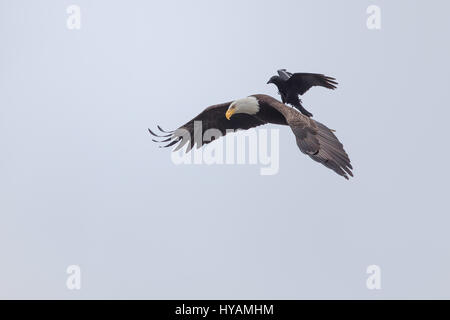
[
  {"x": 291, "y": 85},
  {"x": 313, "y": 138}
]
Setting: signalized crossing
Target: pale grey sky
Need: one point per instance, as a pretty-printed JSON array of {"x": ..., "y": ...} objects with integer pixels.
[{"x": 82, "y": 183}]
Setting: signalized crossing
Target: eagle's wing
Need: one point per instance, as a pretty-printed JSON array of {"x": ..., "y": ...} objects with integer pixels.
[
  {"x": 212, "y": 117},
  {"x": 302, "y": 82},
  {"x": 319, "y": 142},
  {"x": 313, "y": 138},
  {"x": 284, "y": 74}
]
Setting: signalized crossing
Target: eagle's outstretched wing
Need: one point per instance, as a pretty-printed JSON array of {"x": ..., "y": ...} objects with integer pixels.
[
  {"x": 314, "y": 138},
  {"x": 213, "y": 118}
]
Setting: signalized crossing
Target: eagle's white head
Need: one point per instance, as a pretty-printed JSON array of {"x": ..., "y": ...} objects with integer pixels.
[{"x": 247, "y": 105}]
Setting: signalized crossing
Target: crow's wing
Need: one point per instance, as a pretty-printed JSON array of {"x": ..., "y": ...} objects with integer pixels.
[
  {"x": 284, "y": 74},
  {"x": 302, "y": 82}
]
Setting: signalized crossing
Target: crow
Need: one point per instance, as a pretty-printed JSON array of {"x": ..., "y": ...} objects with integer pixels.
[{"x": 291, "y": 85}]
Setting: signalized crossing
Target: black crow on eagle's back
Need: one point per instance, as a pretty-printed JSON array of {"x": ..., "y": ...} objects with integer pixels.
[
  {"x": 313, "y": 138},
  {"x": 291, "y": 85}
]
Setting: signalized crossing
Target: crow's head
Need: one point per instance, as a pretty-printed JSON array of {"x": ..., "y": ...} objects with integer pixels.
[{"x": 276, "y": 80}]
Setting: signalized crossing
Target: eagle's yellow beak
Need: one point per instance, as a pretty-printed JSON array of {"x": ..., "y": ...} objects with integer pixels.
[{"x": 229, "y": 113}]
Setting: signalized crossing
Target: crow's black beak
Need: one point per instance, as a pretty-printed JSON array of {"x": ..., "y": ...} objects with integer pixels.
[{"x": 269, "y": 82}]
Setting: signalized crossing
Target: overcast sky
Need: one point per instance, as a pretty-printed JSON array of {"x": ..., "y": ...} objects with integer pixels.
[{"x": 82, "y": 184}]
